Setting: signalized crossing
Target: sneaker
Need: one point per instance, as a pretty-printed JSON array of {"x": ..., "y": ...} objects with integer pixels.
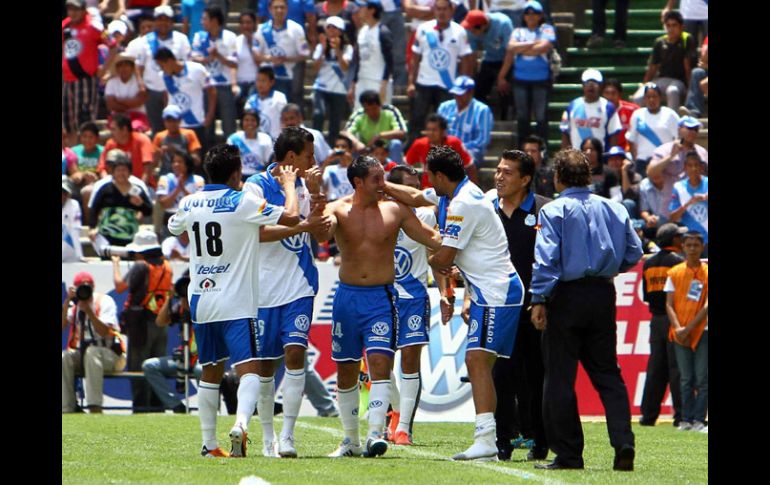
[
  {"x": 619, "y": 44},
  {"x": 390, "y": 430},
  {"x": 238, "y": 439},
  {"x": 286, "y": 447},
  {"x": 215, "y": 453},
  {"x": 269, "y": 449},
  {"x": 697, "y": 426},
  {"x": 402, "y": 438},
  {"x": 478, "y": 451},
  {"x": 179, "y": 409},
  {"x": 332, "y": 413},
  {"x": 705, "y": 430},
  {"x": 595, "y": 41},
  {"x": 523, "y": 443},
  {"x": 347, "y": 448},
  {"x": 375, "y": 446},
  {"x": 684, "y": 426}
]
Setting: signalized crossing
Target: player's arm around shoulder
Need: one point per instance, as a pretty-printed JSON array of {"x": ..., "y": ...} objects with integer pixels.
[
  {"x": 331, "y": 211},
  {"x": 408, "y": 195},
  {"x": 416, "y": 229}
]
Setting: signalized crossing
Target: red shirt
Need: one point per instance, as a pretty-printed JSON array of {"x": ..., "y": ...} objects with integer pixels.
[
  {"x": 139, "y": 147},
  {"x": 80, "y": 54},
  {"x": 624, "y": 113},
  {"x": 418, "y": 153}
]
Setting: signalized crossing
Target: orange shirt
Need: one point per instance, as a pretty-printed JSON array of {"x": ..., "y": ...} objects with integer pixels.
[
  {"x": 192, "y": 139},
  {"x": 139, "y": 148},
  {"x": 685, "y": 307}
]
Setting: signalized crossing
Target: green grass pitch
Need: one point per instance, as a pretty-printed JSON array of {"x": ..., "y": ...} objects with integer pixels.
[{"x": 164, "y": 449}]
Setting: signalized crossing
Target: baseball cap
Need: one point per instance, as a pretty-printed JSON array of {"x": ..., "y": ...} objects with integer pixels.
[
  {"x": 667, "y": 232},
  {"x": 65, "y": 184},
  {"x": 144, "y": 240},
  {"x": 533, "y": 5},
  {"x": 336, "y": 21},
  {"x": 117, "y": 156},
  {"x": 163, "y": 11},
  {"x": 615, "y": 152},
  {"x": 83, "y": 277},
  {"x": 690, "y": 122},
  {"x": 592, "y": 75},
  {"x": 462, "y": 85},
  {"x": 172, "y": 111},
  {"x": 77, "y": 3},
  {"x": 652, "y": 85},
  {"x": 474, "y": 18},
  {"x": 368, "y": 3},
  {"x": 117, "y": 26}
]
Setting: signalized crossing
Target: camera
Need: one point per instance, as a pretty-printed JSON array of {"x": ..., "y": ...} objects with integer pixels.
[{"x": 84, "y": 292}]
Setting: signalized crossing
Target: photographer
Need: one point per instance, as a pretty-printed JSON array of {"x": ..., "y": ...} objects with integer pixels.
[
  {"x": 93, "y": 346},
  {"x": 175, "y": 310},
  {"x": 149, "y": 285}
]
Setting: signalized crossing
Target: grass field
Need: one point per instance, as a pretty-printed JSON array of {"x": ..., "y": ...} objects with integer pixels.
[{"x": 164, "y": 449}]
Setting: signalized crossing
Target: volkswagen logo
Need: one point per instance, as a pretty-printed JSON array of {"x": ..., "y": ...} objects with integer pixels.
[
  {"x": 414, "y": 322},
  {"x": 474, "y": 327},
  {"x": 302, "y": 322},
  {"x": 380, "y": 328},
  {"x": 439, "y": 59},
  {"x": 403, "y": 261},
  {"x": 295, "y": 243}
]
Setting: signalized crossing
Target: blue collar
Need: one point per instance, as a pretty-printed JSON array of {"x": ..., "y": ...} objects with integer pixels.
[
  {"x": 527, "y": 204},
  {"x": 460, "y": 186},
  {"x": 211, "y": 187},
  {"x": 575, "y": 190},
  {"x": 285, "y": 25},
  {"x": 183, "y": 72}
]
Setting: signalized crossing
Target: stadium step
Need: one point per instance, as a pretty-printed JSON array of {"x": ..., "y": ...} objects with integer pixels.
[
  {"x": 622, "y": 73},
  {"x": 634, "y": 38},
  {"x": 607, "y": 56},
  {"x": 638, "y": 18},
  {"x": 568, "y": 92}
]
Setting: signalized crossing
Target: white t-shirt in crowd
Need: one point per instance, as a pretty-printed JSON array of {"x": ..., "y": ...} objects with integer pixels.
[
  {"x": 190, "y": 87},
  {"x": 331, "y": 77},
  {"x": 336, "y": 183},
  {"x": 269, "y": 111},
  {"x": 71, "y": 225},
  {"x": 649, "y": 131},
  {"x": 145, "y": 48},
  {"x": 444, "y": 58},
  {"x": 289, "y": 41},
  {"x": 123, "y": 90},
  {"x": 225, "y": 44},
  {"x": 247, "y": 68},
  {"x": 255, "y": 152}
]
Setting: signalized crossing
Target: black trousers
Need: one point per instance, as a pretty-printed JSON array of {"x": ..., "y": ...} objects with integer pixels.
[
  {"x": 485, "y": 80},
  {"x": 599, "y": 25},
  {"x": 661, "y": 372},
  {"x": 519, "y": 387},
  {"x": 581, "y": 327},
  {"x": 426, "y": 100},
  {"x": 142, "y": 396}
]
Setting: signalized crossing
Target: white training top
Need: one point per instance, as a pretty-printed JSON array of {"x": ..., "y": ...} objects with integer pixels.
[
  {"x": 411, "y": 259},
  {"x": 649, "y": 131},
  {"x": 269, "y": 111},
  {"x": 247, "y": 68},
  {"x": 223, "y": 225},
  {"x": 71, "y": 224},
  {"x": 289, "y": 41},
  {"x": 145, "y": 48},
  {"x": 331, "y": 77},
  {"x": 438, "y": 64},
  {"x": 116, "y": 87},
  {"x": 225, "y": 45},
  {"x": 186, "y": 90},
  {"x": 336, "y": 183},
  {"x": 371, "y": 59},
  {"x": 255, "y": 152}
]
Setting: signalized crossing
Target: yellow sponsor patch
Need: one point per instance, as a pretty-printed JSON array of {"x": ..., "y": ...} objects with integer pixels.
[{"x": 455, "y": 218}]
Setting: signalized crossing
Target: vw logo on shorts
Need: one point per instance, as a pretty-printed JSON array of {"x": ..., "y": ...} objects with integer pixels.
[
  {"x": 380, "y": 328},
  {"x": 439, "y": 59},
  {"x": 403, "y": 261},
  {"x": 182, "y": 100},
  {"x": 414, "y": 322},
  {"x": 474, "y": 327},
  {"x": 295, "y": 243},
  {"x": 302, "y": 322}
]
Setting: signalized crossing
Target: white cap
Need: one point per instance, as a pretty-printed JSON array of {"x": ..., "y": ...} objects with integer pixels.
[
  {"x": 336, "y": 21},
  {"x": 144, "y": 240},
  {"x": 117, "y": 26},
  {"x": 592, "y": 75},
  {"x": 163, "y": 10}
]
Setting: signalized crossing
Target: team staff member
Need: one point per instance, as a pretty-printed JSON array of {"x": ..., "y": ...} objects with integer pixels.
[
  {"x": 518, "y": 205},
  {"x": 573, "y": 300}
]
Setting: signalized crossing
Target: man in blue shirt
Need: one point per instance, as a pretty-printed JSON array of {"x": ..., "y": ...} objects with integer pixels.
[
  {"x": 583, "y": 243},
  {"x": 468, "y": 119}
]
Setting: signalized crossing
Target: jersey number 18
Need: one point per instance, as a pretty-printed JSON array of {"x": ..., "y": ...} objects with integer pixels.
[{"x": 213, "y": 241}]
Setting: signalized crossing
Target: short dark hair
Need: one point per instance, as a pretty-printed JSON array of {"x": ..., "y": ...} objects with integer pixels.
[
  {"x": 89, "y": 126},
  {"x": 614, "y": 82},
  {"x": 215, "y": 12},
  {"x": 188, "y": 161},
  {"x": 122, "y": 120},
  {"x": 291, "y": 139},
  {"x": 370, "y": 97},
  {"x": 267, "y": 71},
  {"x": 446, "y": 160},
  {"x": 533, "y": 139},
  {"x": 360, "y": 168},
  {"x": 675, "y": 15},
  {"x": 250, "y": 112},
  {"x": 572, "y": 167},
  {"x": 437, "y": 118},
  {"x": 381, "y": 143},
  {"x": 164, "y": 54},
  {"x": 221, "y": 162},
  {"x": 526, "y": 163},
  {"x": 693, "y": 154},
  {"x": 248, "y": 13},
  {"x": 292, "y": 107},
  {"x": 344, "y": 138},
  {"x": 377, "y": 6},
  {"x": 398, "y": 173},
  {"x": 692, "y": 235}
]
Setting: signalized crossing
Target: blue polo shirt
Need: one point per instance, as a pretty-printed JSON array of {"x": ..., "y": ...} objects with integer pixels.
[
  {"x": 495, "y": 39},
  {"x": 297, "y": 10}
]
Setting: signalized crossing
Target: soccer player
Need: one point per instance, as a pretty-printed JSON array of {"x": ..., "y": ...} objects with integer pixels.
[
  {"x": 474, "y": 240},
  {"x": 286, "y": 303},
  {"x": 364, "y": 312},
  {"x": 223, "y": 224}
]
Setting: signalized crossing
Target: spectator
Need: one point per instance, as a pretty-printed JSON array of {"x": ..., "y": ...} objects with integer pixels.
[
  {"x": 163, "y": 35},
  {"x": 135, "y": 10},
  {"x": 393, "y": 19},
  {"x": 622, "y": 182},
  {"x": 137, "y": 145},
  {"x": 335, "y": 170},
  {"x": 695, "y": 14},
  {"x": 344, "y": 9},
  {"x": 291, "y": 115},
  {"x": 268, "y": 102},
  {"x": 542, "y": 182},
  {"x": 436, "y": 135},
  {"x": 593, "y": 148},
  {"x": 71, "y": 250},
  {"x": 80, "y": 60},
  {"x": 175, "y": 139},
  {"x": 531, "y": 44},
  {"x": 373, "y": 122},
  {"x": 246, "y": 56},
  {"x": 653, "y": 203},
  {"x": 112, "y": 211},
  {"x": 88, "y": 153},
  {"x": 331, "y": 59},
  {"x": 690, "y": 199},
  {"x": 93, "y": 329},
  {"x": 281, "y": 43},
  {"x": 173, "y": 186},
  {"x": 380, "y": 152},
  {"x": 373, "y": 56},
  {"x": 186, "y": 83},
  {"x": 599, "y": 23},
  {"x": 177, "y": 248},
  {"x": 468, "y": 119},
  {"x": 192, "y": 12},
  {"x": 687, "y": 306},
  {"x": 590, "y": 115},
  {"x": 671, "y": 61},
  {"x": 420, "y": 11},
  {"x": 440, "y": 46},
  {"x": 650, "y": 127},
  {"x": 124, "y": 93},
  {"x": 69, "y": 160},
  {"x": 613, "y": 91},
  {"x": 256, "y": 147},
  {"x": 490, "y": 34},
  {"x": 698, "y": 92},
  {"x": 513, "y": 9},
  {"x": 302, "y": 12},
  {"x": 137, "y": 45},
  {"x": 215, "y": 48},
  {"x": 116, "y": 34}
]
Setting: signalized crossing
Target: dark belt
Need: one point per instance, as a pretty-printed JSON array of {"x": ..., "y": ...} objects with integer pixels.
[{"x": 589, "y": 280}]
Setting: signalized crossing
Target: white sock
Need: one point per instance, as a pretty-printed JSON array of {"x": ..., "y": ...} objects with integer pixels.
[
  {"x": 293, "y": 384},
  {"x": 485, "y": 428},
  {"x": 348, "y": 402},
  {"x": 265, "y": 404},
  {"x": 395, "y": 396},
  {"x": 379, "y": 398},
  {"x": 208, "y": 405},
  {"x": 248, "y": 390},
  {"x": 410, "y": 387}
]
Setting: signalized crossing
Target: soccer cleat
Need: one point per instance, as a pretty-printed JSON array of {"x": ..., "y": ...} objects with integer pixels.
[
  {"x": 347, "y": 448},
  {"x": 375, "y": 446},
  {"x": 215, "y": 453},
  {"x": 478, "y": 451},
  {"x": 402, "y": 438},
  {"x": 286, "y": 447},
  {"x": 684, "y": 426},
  {"x": 390, "y": 430},
  {"x": 238, "y": 439},
  {"x": 269, "y": 449},
  {"x": 523, "y": 443}
]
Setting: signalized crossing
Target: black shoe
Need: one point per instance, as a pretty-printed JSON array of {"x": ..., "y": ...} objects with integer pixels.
[
  {"x": 677, "y": 422},
  {"x": 624, "y": 459},
  {"x": 646, "y": 422},
  {"x": 535, "y": 454},
  {"x": 180, "y": 408},
  {"x": 619, "y": 44},
  {"x": 504, "y": 452},
  {"x": 556, "y": 465}
]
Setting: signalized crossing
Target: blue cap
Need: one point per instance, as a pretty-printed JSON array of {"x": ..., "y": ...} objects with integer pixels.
[
  {"x": 172, "y": 111},
  {"x": 615, "y": 152},
  {"x": 534, "y": 5},
  {"x": 652, "y": 85},
  {"x": 368, "y": 3},
  {"x": 462, "y": 85},
  {"x": 690, "y": 122}
]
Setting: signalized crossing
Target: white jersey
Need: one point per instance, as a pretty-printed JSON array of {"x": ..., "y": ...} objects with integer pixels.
[
  {"x": 694, "y": 9},
  {"x": 225, "y": 45},
  {"x": 168, "y": 183},
  {"x": 287, "y": 271},
  {"x": 269, "y": 111},
  {"x": 468, "y": 222},
  {"x": 440, "y": 53},
  {"x": 172, "y": 243},
  {"x": 649, "y": 131},
  {"x": 336, "y": 183},
  {"x": 247, "y": 68},
  {"x": 411, "y": 259},
  {"x": 186, "y": 90},
  {"x": 331, "y": 77},
  {"x": 289, "y": 41},
  {"x": 71, "y": 224},
  {"x": 416, "y": 23},
  {"x": 145, "y": 48},
  {"x": 223, "y": 225},
  {"x": 371, "y": 60},
  {"x": 255, "y": 152},
  {"x": 117, "y": 88},
  {"x": 582, "y": 120}
]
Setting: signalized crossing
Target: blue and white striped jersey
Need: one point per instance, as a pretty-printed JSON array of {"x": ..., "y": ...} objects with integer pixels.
[
  {"x": 473, "y": 125},
  {"x": 584, "y": 120}
]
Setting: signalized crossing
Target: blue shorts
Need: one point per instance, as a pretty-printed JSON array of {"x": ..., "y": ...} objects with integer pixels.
[
  {"x": 283, "y": 325},
  {"x": 233, "y": 339},
  {"x": 493, "y": 328},
  {"x": 414, "y": 318},
  {"x": 364, "y": 316}
]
